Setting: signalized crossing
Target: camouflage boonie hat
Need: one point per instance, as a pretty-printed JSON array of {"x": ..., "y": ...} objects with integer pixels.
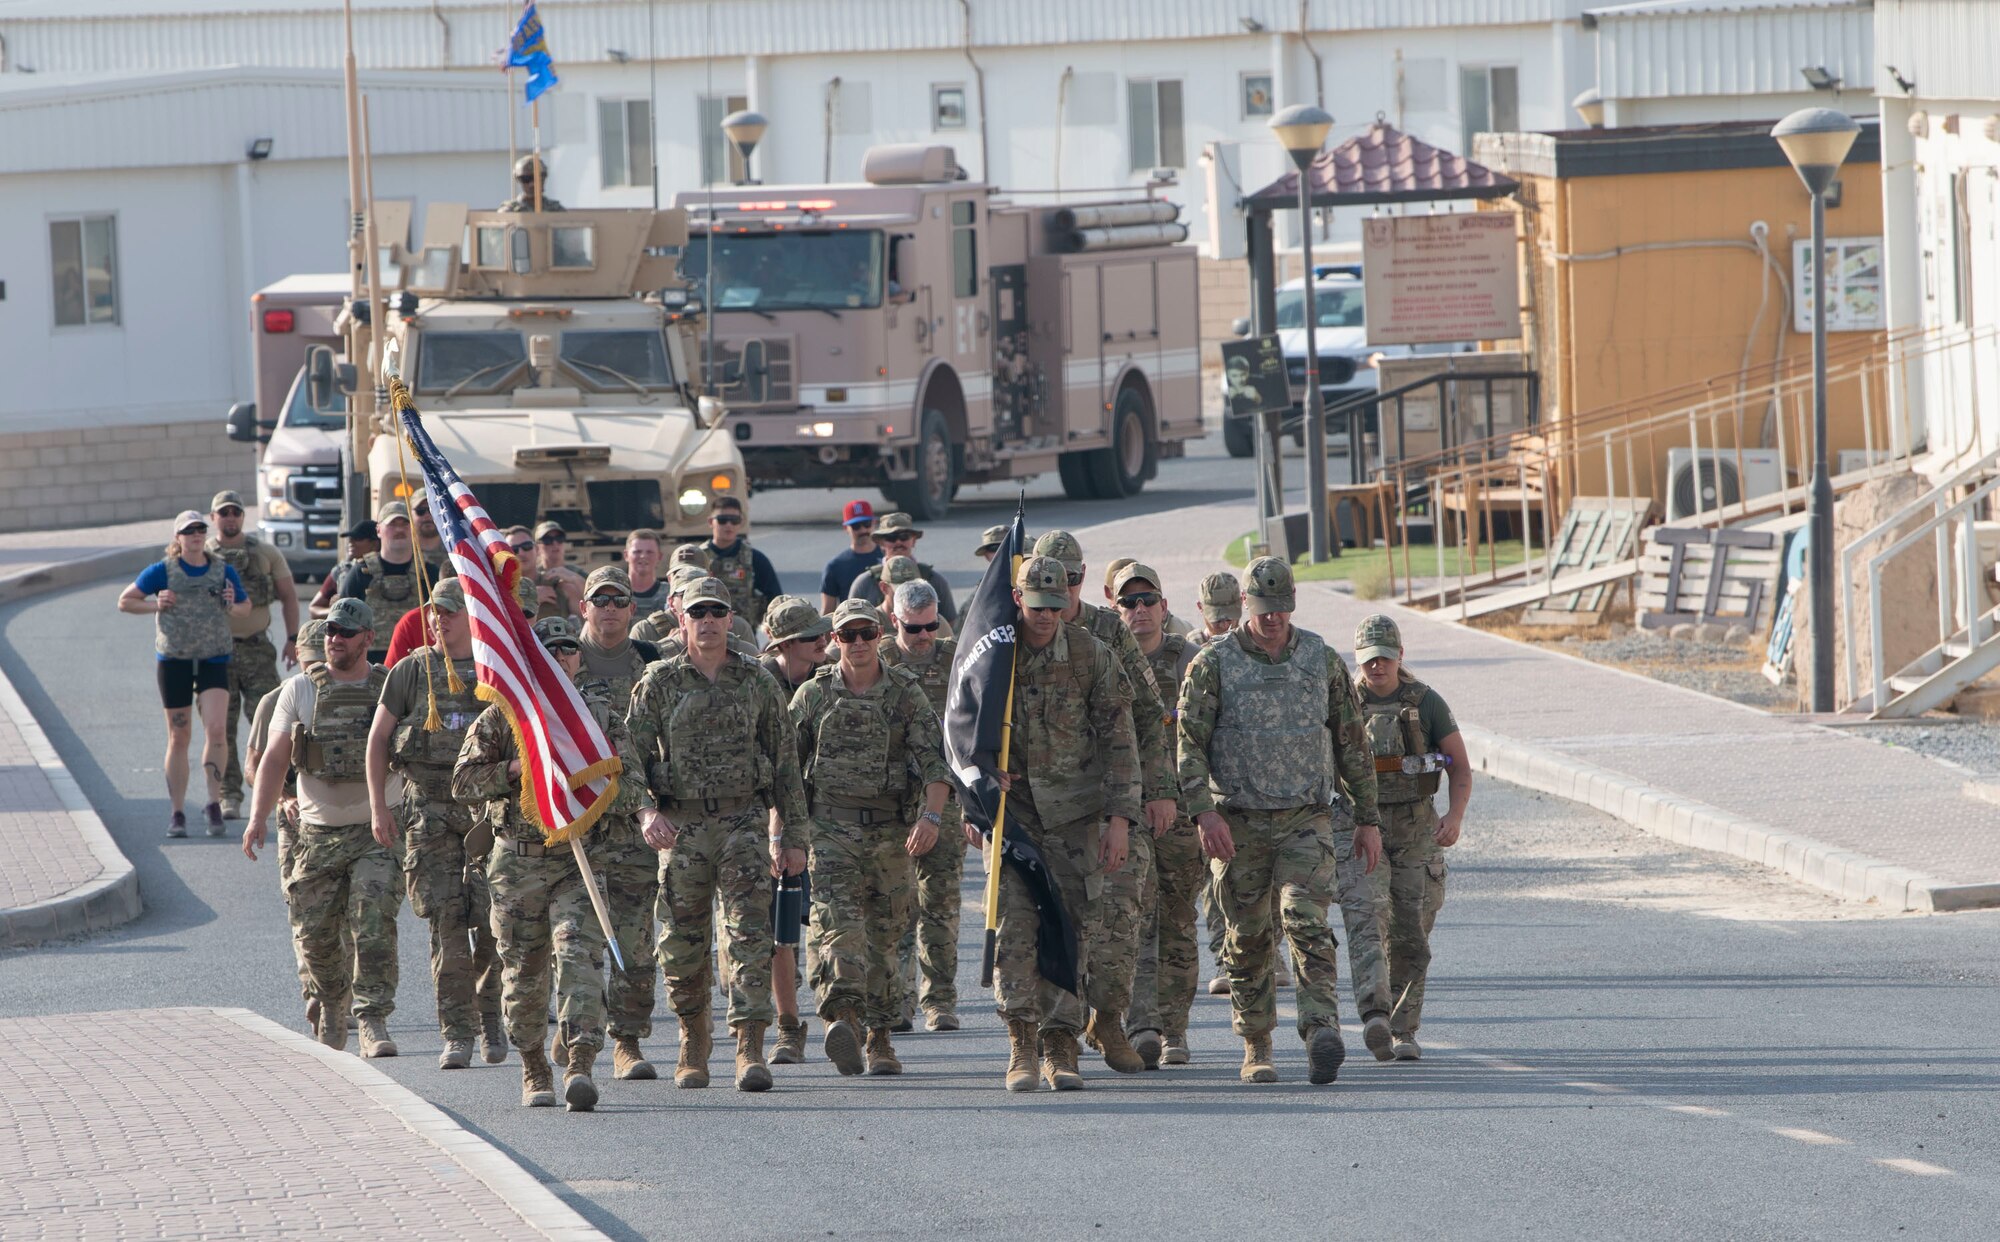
[
  {"x": 790, "y": 617},
  {"x": 1267, "y": 586},
  {"x": 900, "y": 569},
  {"x": 1043, "y": 583},
  {"x": 448, "y": 596},
  {"x": 990, "y": 539},
  {"x": 690, "y": 554},
  {"x": 613, "y": 576},
  {"x": 312, "y": 641},
  {"x": 351, "y": 614},
  {"x": 1221, "y": 598},
  {"x": 557, "y": 632},
  {"x": 1377, "y": 636},
  {"x": 1135, "y": 571},
  {"x": 852, "y": 610},
  {"x": 896, "y": 524},
  {"x": 1063, "y": 546},
  {"x": 705, "y": 590}
]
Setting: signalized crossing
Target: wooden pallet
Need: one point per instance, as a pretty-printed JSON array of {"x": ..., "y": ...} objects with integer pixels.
[{"x": 1728, "y": 575}]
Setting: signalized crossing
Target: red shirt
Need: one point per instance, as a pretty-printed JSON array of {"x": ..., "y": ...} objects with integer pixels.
[{"x": 407, "y": 636}]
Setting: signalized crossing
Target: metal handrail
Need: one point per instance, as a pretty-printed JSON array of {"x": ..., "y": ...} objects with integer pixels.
[{"x": 1964, "y": 511}]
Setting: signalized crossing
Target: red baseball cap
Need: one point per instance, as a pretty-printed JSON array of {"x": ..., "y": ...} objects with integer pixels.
[{"x": 857, "y": 511}]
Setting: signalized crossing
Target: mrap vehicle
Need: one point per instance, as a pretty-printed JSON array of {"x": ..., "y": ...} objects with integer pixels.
[{"x": 915, "y": 332}]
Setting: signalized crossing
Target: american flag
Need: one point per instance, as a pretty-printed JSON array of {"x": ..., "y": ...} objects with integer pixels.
[{"x": 569, "y": 769}]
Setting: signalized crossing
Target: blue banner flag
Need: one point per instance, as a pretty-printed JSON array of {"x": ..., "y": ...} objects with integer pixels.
[{"x": 529, "y": 49}]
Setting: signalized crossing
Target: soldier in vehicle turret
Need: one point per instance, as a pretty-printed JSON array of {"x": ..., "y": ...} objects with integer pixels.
[{"x": 526, "y": 170}]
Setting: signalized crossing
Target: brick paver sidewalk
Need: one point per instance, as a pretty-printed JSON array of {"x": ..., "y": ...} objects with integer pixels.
[
  {"x": 1817, "y": 784},
  {"x": 184, "y": 1123}
]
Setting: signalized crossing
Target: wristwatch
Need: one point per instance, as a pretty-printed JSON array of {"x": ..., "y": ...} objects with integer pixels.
[{"x": 934, "y": 817}]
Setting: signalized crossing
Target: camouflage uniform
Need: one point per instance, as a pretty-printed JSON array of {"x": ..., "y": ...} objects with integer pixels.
[
  {"x": 1169, "y": 960},
  {"x": 930, "y": 941},
  {"x": 736, "y": 568},
  {"x": 1263, "y": 741},
  {"x": 717, "y": 755},
  {"x": 447, "y": 889},
  {"x": 253, "y": 661},
  {"x": 866, "y": 758}
]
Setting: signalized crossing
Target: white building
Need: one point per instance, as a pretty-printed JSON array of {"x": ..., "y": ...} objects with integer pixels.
[{"x": 138, "y": 213}]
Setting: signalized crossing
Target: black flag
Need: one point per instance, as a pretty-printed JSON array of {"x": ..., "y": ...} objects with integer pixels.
[{"x": 974, "y": 715}]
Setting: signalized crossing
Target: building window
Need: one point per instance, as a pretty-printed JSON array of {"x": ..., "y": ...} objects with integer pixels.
[
  {"x": 948, "y": 107},
  {"x": 1154, "y": 113},
  {"x": 83, "y": 262},
  {"x": 1256, "y": 95},
  {"x": 964, "y": 251},
  {"x": 715, "y": 145},
  {"x": 625, "y": 142},
  {"x": 1489, "y": 102}
]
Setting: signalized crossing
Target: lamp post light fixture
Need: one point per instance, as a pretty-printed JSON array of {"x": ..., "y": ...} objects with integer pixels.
[
  {"x": 1301, "y": 130},
  {"x": 1816, "y": 140},
  {"x": 1590, "y": 106},
  {"x": 745, "y": 129}
]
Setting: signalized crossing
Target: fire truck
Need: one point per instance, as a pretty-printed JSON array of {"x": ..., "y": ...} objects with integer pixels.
[{"x": 917, "y": 331}]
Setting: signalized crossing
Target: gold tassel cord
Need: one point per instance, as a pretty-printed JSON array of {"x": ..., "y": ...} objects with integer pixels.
[
  {"x": 610, "y": 768},
  {"x": 400, "y": 404}
]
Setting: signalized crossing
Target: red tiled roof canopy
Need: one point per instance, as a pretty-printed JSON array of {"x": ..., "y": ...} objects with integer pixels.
[{"x": 1385, "y": 165}]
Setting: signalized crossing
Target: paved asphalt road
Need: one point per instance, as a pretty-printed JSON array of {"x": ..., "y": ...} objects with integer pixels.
[{"x": 1625, "y": 1039}]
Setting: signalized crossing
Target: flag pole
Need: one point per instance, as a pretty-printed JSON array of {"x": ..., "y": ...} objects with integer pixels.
[
  {"x": 597, "y": 903},
  {"x": 995, "y": 849},
  {"x": 536, "y": 122}
]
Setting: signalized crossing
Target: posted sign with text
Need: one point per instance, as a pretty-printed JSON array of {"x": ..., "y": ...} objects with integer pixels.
[{"x": 1441, "y": 278}]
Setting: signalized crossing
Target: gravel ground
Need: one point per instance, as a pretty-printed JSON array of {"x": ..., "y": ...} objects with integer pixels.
[
  {"x": 1719, "y": 669},
  {"x": 1975, "y": 745}
]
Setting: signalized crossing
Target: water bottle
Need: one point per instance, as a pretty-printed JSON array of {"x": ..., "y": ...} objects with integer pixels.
[
  {"x": 791, "y": 911},
  {"x": 1421, "y": 765}
]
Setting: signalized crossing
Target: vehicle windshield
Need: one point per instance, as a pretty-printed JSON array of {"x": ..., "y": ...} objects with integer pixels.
[
  {"x": 609, "y": 357},
  {"x": 448, "y": 359},
  {"x": 300, "y": 411},
  {"x": 1339, "y": 306},
  {"x": 788, "y": 271}
]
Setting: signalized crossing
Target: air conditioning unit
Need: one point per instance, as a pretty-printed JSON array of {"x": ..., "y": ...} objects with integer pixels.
[
  {"x": 1714, "y": 481},
  {"x": 1850, "y": 460}
]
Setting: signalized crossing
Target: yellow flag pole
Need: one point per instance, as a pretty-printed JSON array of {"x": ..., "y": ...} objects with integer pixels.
[{"x": 995, "y": 848}]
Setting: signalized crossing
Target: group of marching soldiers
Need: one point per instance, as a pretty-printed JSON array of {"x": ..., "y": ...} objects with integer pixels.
[{"x": 767, "y": 792}]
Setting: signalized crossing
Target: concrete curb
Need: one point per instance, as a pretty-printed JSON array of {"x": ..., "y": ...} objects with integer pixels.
[
  {"x": 539, "y": 1206},
  {"x": 112, "y": 896}
]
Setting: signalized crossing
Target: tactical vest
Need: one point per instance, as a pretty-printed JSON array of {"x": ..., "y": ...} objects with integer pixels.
[
  {"x": 389, "y": 595},
  {"x": 861, "y": 754},
  {"x": 1270, "y": 750},
  {"x": 1395, "y": 729},
  {"x": 653, "y": 599},
  {"x": 1064, "y": 760},
  {"x": 933, "y": 675},
  {"x": 711, "y": 735},
  {"x": 1170, "y": 662},
  {"x": 1108, "y": 628},
  {"x": 425, "y": 755},
  {"x": 617, "y": 687},
  {"x": 257, "y": 581},
  {"x": 197, "y": 626},
  {"x": 335, "y": 747},
  {"x": 736, "y": 568}
]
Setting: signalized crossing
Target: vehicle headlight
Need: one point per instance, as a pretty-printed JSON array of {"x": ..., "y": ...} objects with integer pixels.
[
  {"x": 275, "y": 479},
  {"x": 693, "y": 501},
  {"x": 278, "y": 507},
  {"x": 1375, "y": 359}
]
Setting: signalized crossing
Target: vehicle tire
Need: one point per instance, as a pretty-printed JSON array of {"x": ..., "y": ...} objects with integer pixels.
[
  {"x": 1239, "y": 436},
  {"x": 1076, "y": 478},
  {"x": 1122, "y": 469},
  {"x": 927, "y": 498}
]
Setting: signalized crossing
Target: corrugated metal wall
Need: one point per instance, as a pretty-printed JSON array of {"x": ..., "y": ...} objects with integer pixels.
[
  {"x": 1739, "y": 50},
  {"x": 1949, "y": 48}
]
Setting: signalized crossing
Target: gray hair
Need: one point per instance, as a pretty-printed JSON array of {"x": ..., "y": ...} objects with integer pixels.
[{"x": 915, "y": 596}]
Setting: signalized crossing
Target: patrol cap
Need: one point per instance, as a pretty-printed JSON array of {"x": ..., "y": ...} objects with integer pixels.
[
  {"x": 448, "y": 596},
  {"x": 1135, "y": 571},
  {"x": 190, "y": 520},
  {"x": 546, "y": 529},
  {"x": 991, "y": 539},
  {"x": 689, "y": 554},
  {"x": 852, "y": 610},
  {"x": 705, "y": 590},
  {"x": 1377, "y": 636},
  {"x": 900, "y": 569},
  {"x": 893, "y": 524},
  {"x": 1267, "y": 586},
  {"x": 613, "y": 576},
  {"x": 1221, "y": 598},
  {"x": 223, "y": 499},
  {"x": 1111, "y": 572},
  {"x": 681, "y": 577},
  {"x": 312, "y": 641},
  {"x": 790, "y": 617},
  {"x": 351, "y": 614},
  {"x": 556, "y": 634},
  {"x": 1043, "y": 583},
  {"x": 1063, "y": 546},
  {"x": 389, "y": 510}
]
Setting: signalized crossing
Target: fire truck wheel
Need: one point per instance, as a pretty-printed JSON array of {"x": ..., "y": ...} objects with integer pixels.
[
  {"x": 1122, "y": 469},
  {"x": 927, "y": 498},
  {"x": 1076, "y": 478}
]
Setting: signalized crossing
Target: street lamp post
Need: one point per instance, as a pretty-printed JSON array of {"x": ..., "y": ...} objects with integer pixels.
[
  {"x": 745, "y": 130},
  {"x": 1301, "y": 129},
  {"x": 1816, "y": 140}
]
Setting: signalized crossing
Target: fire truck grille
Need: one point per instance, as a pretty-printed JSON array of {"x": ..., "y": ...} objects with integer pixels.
[{"x": 756, "y": 371}]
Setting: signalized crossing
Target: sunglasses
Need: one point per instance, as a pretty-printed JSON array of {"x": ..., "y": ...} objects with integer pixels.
[
  {"x": 341, "y": 631},
  {"x": 545, "y": 540},
  {"x": 522, "y": 549},
  {"x": 862, "y": 526},
  {"x": 866, "y": 634},
  {"x": 1076, "y": 579},
  {"x": 229, "y": 511},
  {"x": 704, "y": 612},
  {"x": 726, "y": 519},
  {"x": 1033, "y": 608},
  {"x": 192, "y": 530},
  {"x": 928, "y": 627},
  {"x": 610, "y": 601},
  {"x": 562, "y": 647},
  {"x": 1139, "y": 599},
  {"x": 896, "y": 536}
]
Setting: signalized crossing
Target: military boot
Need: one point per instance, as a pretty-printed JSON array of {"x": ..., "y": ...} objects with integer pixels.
[
  {"x": 1059, "y": 1053},
  {"x": 1149, "y": 1047},
  {"x": 312, "y": 1016},
  {"x": 696, "y": 1041},
  {"x": 538, "y": 1087},
  {"x": 375, "y": 1041},
  {"x": 457, "y": 1054},
  {"x": 558, "y": 1051},
  {"x": 627, "y": 1061},
  {"x": 1257, "y": 1065},
  {"x": 1375, "y": 1033},
  {"x": 940, "y": 1020},
  {"x": 843, "y": 1042},
  {"x": 1024, "y": 1051},
  {"x": 882, "y": 1060},
  {"x": 1324, "y": 1052},
  {"x": 492, "y": 1039},
  {"x": 1404, "y": 1047},
  {"x": 1219, "y": 985},
  {"x": 1176, "y": 1049},
  {"x": 579, "y": 1092},
  {"x": 1107, "y": 1034},
  {"x": 331, "y": 1027},
  {"x": 752, "y": 1074},
  {"x": 790, "y": 1048}
]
